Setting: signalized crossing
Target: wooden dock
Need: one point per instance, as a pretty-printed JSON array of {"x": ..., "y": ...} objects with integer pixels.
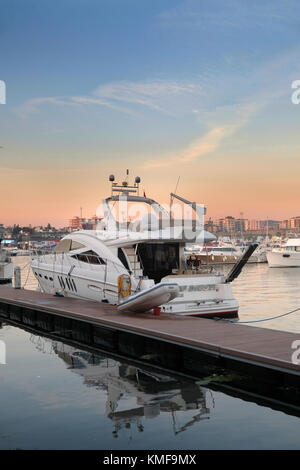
[{"x": 231, "y": 345}]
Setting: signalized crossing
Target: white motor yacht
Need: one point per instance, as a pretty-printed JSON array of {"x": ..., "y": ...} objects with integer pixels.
[
  {"x": 287, "y": 255},
  {"x": 138, "y": 265}
]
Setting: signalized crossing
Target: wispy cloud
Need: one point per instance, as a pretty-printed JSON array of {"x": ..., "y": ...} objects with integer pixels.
[
  {"x": 155, "y": 94},
  {"x": 208, "y": 143},
  {"x": 212, "y": 139},
  {"x": 224, "y": 121},
  {"x": 159, "y": 95},
  {"x": 221, "y": 122},
  {"x": 82, "y": 100},
  {"x": 32, "y": 106},
  {"x": 234, "y": 14}
]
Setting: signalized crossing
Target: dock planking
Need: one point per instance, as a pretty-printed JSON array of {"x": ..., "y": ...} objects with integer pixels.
[{"x": 263, "y": 348}]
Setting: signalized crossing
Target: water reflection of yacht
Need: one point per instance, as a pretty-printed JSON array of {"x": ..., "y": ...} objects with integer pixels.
[
  {"x": 137, "y": 265},
  {"x": 154, "y": 393}
]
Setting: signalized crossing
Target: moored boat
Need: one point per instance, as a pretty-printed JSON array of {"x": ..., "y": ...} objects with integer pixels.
[
  {"x": 287, "y": 255},
  {"x": 138, "y": 265}
]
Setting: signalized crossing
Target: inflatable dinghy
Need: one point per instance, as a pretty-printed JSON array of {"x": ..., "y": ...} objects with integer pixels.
[{"x": 150, "y": 298}]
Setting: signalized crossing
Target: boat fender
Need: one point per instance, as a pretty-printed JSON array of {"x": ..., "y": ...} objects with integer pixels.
[{"x": 124, "y": 286}]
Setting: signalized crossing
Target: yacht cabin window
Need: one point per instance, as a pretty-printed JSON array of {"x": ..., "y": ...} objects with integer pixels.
[{"x": 89, "y": 257}]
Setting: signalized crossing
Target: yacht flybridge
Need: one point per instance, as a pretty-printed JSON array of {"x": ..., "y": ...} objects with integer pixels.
[{"x": 135, "y": 259}]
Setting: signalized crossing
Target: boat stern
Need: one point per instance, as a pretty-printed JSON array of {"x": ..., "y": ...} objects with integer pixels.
[{"x": 205, "y": 296}]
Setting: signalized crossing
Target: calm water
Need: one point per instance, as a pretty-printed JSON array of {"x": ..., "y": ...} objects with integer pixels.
[
  {"x": 56, "y": 396},
  {"x": 265, "y": 292}
]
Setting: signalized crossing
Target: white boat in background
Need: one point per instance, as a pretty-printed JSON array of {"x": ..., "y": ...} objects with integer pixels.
[
  {"x": 138, "y": 265},
  {"x": 15, "y": 251},
  {"x": 287, "y": 255},
  {"x": 23, "y": 252},
  {"x": 11, "y": 251},
  {"x": 190, "y": 248},
  {"x": 260, "y": 254},
  {"x": 213, "y": 255}
]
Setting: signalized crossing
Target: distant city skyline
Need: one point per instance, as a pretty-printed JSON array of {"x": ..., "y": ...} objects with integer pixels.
[
  {"x": 76, "y": 221},
  {"x": 167, "y": 88}
]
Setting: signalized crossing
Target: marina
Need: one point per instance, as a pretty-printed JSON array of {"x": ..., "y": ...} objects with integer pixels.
[
  {"x": 91, "y": 377},
  {"x": 149, "y": 229},
  {"x": 130, "y": 314},
  {"x": 260, "y": 351}
]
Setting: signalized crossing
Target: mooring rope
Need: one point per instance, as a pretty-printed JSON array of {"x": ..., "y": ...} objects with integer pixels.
[
  {"x": 28, "y": 272},
  {"x": 265, "y": 319}
]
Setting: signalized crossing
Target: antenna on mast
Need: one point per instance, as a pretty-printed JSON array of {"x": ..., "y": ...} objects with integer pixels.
[
  {"x": 125, "y": 188},
  {"x": 177, "y": 184},
  {"x": 171, "y": 199}
]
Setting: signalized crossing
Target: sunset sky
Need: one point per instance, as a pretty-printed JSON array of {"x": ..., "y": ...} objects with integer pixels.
[{"x": 199, "y": 89}]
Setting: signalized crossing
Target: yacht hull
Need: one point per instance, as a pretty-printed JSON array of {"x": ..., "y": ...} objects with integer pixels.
[
  {"x": 223, "y": 311},
  {"x": 198, "y": 296},
  {"x": 281, "y": 259},
  {"x": 202, "y": 296},
  {"x": 229, "y": 314}
]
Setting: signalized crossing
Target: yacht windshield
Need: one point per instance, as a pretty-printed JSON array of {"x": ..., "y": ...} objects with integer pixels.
[
  {"x": 63, "y": 246},
  {"x": 67, "y": 245}
]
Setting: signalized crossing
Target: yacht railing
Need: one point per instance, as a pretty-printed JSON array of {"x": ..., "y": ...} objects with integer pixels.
[
  {"x": 97, "y": 262},
  {"x": 94, "y": 263},
  {"x": 90, "y": 261}
]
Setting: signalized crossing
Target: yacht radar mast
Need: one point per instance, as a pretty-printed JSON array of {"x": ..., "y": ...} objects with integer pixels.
[{"x": 124, "y": 187}]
